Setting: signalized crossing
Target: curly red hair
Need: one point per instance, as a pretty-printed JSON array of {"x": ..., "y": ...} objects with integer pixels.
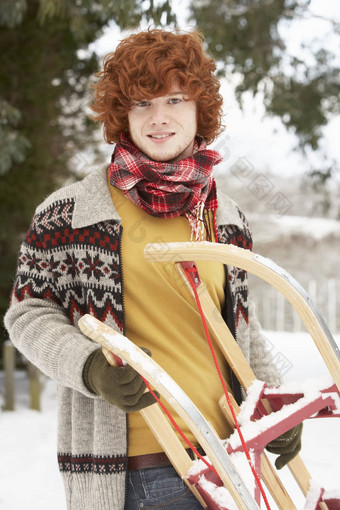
[{"x": 146, "y": 65}]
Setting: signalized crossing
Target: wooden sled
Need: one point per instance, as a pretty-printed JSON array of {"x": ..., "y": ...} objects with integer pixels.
[{"x": 225, "y": 489}]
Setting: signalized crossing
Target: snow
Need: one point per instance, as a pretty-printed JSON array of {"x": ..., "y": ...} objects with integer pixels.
[
  {"x": 28, "y": 466},
  {"x": 252, "y": 430},
  {"x": 116, "y": 341},
  {"x": 312, "y": 496},
  {"x": 248, "y": 406},
  {"x": 219, "y": 494},
  {"x": 310, "y": 388},
  {"x": 333, "y": 494},
  {"x": 241, "y": 463}
]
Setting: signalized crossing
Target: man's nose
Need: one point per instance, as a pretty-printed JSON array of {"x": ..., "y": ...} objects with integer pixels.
[{"x": 159, "y": 115}]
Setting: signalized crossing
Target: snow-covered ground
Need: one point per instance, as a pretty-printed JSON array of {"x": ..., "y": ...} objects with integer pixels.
[{"x": 29, "y": 477}]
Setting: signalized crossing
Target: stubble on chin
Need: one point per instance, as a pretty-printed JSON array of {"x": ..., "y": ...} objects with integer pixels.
[
  {"x": 174, "y": 155},
  {"x": 162, "y": 157}
]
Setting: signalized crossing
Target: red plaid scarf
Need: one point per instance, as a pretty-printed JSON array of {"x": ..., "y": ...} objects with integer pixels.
[{"x": 167, "y": 190}]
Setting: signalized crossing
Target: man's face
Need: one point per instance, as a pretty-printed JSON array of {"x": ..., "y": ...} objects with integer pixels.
[{"x": 164, "y": 128}]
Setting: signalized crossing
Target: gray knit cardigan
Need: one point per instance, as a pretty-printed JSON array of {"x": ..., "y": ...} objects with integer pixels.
[{"x": 70, "y": 264}]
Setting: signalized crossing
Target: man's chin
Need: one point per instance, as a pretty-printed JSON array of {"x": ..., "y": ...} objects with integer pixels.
[
  {"x": 167, "y": 154},
  {"x": 163, "y": 158}
]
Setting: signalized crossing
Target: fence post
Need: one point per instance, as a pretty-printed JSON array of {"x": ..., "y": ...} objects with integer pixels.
[
  {"x": 312, "y": 291},
  {"x": 331, "y": 302},
  {"x": 34, "y": 386},
  {"x": 9, "y": 369},
  {"x": 267, "y": 312},
  {"x": 280, "y": 312}
]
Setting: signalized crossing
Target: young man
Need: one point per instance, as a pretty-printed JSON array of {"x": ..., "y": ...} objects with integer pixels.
[{"x": 158, "y": 100}]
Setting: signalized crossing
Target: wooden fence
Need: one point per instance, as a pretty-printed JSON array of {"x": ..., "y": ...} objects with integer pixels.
[
  {"x": 276, "y": 313},
  {"x": 33, "y": 375}
]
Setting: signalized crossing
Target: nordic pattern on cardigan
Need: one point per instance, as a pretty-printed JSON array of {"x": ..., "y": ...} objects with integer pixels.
[
  {"x": 56, "y": 259},
  {"x": 80, "y": 270},
  {"x": 98, "y": 464},
  {"x": 238, "y": 281}
]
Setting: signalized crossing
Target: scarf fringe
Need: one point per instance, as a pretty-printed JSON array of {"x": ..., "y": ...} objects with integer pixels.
[{"x": 196, "y": 221}]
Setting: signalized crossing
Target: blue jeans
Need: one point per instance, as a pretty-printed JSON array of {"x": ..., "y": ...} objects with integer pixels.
[{"x": 158, "y": 487}]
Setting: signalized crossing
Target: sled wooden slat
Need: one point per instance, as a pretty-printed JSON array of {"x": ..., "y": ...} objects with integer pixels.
[
  {"x": 266, "y": 270},
  {"x": 284, "y": 283},
  {"x": 292, "y": 291},
  {"x": 268, "y": 472},
  {"x": 297, "y": 468},
  {"x": 205, "y": 435},
  {"x": 246, "y": 376},
  {"x": 274, "y": 485},
  {"x": 301, "y": 475},
  {"x": 170, "y": 443},
  {"x": 222, "y": 334},
  {"x": 154, "y": 417}
]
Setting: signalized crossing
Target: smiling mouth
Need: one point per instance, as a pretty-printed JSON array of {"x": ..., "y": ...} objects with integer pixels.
[{"x": 161, "y": 136}]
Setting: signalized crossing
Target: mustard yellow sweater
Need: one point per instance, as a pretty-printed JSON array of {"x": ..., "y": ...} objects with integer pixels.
[{"x": 161, "y": 315}]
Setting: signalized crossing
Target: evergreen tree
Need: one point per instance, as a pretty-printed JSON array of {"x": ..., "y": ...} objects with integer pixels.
[
  {"x": 44, "y": 86},
  {"x": 244, "y": 37},
  {"x": 44, "y": 95}
]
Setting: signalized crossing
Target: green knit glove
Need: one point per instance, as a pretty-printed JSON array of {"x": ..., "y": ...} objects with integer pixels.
[
  {"x": 286, "y": 446},
  {"x": 120, "y": 386}
]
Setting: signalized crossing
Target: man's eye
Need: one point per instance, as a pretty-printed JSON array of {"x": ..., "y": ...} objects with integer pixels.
[
  {"x": 175, "y": 100},
  {"x": 142, "y": 103}
]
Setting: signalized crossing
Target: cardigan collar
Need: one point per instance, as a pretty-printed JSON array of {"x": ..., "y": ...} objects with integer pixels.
[{"x": 93, "y": 203}]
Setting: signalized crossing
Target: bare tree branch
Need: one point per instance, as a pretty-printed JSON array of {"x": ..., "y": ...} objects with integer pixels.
[
  {"x": 242, "y": 10},
  {"x": 311, "y": 15}
]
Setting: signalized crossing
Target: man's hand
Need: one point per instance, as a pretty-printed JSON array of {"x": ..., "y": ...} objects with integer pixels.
[
  {"x": 286, "y": 446},
  {"x": 120, "y": 386}
]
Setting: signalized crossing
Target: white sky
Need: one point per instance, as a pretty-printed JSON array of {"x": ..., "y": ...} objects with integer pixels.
[{"x": 263, "y": 141}]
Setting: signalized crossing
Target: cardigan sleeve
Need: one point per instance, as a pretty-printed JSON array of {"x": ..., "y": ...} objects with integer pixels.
[
  {"x": 260, "y": 357},
  {"x": 37, "y": 323}
]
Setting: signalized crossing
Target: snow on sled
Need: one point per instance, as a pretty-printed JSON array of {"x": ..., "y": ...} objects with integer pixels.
[
  {"x": 293, "y": 403},
  {"x": 231, "y": 473}
]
